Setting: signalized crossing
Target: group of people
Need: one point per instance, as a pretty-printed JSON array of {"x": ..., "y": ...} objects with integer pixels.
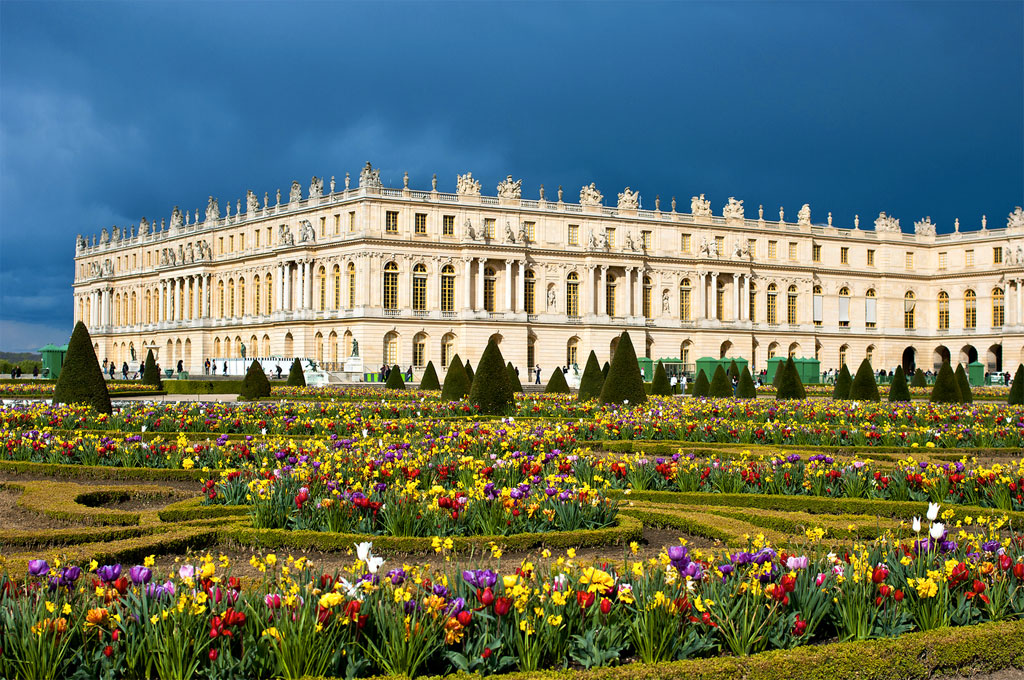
[
  {"x": 110, "y": 368},
  {"x": 385, "y": 373},
  {"x": 16, "y": 371},
  {"x": 210, "y": 365}
]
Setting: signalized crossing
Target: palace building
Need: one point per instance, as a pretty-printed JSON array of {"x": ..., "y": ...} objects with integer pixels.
[{"x": 401, "y": 276}]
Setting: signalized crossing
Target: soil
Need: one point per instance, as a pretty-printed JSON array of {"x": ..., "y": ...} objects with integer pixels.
[{"x": 18, "y": 519}]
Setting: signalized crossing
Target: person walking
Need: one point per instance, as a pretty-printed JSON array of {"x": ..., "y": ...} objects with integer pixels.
[
  {"x": 206, "y": 367},
  {"x": 124, "y": 370},
  {"x": 225, "y": 368},
  {"x": 537, "y": 382}
]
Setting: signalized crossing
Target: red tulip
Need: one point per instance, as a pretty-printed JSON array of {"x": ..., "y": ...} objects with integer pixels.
[
  {"x": 879, "y": 574},
  {"x": 486, "y": 596},
  {"x": 606, "y": 605},
  {"x": 898, "y": 596},
  {"x": 107, "y": 651},
  {"x": 213, "y": 655},
  {"x": 501, "y": 606},
  {"x": 1018, "y": 570},
  {"x": 464, "y": 617}
]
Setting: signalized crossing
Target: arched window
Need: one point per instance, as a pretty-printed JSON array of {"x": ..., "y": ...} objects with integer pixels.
[
  {"x": 270, "y": 295},
  {"x": 943, "y": 310},
  {"x": 332, "y": 339},
  {"x": 241, "y": 297},
  {"x": 231, "y": 298},
  {"x": 318, "y": 347},
  {"x": 221, "y": 309},
  {"x": 970, "y": 310},
  {"x": 447, "y": 349},
  {"x": 998, "y": 308},
  {"x": 336, "y": 276},
  {"x": 256, "y": 299},
  {"x": 448, "y": 288},
  {"x": 419, "y": 350},
  {"x": 870, "y": 309},
  {"x": 133, "y": 309},
  {"x": 817, "y": 306},
  {"x": 647, "y": 297},
  {"x": 216, "y": 347},
  {"x": 869, "y": 353},
  {"x": 390, "y": 286},
  {"x": 844, "y": 307},
  {"x": 419, "y": 289},
  {"x": 572, "y": 295},
  {"x": 266, "y": 345},
  {"x": 753, "y": 301},
  {"x": 529, "y": 290},
  {"x": 909, "y": 318},
  {"x": 609, "y": 294},
  {"x": 351, "y": 271},
  {"x": 572, "y": 350},
  {"x": 773, "y": 315},
  {"x": 488, "y": 289},
  {"x": 791, "y": 306},
  {"x": 842, "y": 355},
  {"x": 391, "y": 349},
  {"x": 685, "y": 301},
  {"x": 321, "y": 276}
]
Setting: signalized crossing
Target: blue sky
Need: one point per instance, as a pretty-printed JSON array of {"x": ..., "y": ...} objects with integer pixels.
[{"x": 110, "y": 112}]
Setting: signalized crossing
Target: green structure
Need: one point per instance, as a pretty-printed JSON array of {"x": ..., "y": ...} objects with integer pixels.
[
  {"x": 975, "y": 373},
  {"x": 53, "y": 359},
  {"x": 709, "y": 365},
  {"x": 673, "y": 367},
  {"x": 809, "y": 370}
]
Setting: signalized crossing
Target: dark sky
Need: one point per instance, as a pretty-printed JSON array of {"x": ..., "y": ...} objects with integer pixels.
[{"x": 109, "y": 112}]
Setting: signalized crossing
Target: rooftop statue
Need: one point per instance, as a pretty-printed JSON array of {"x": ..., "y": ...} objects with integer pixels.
[
  {"x": 700, "y": 206},
  {"x": 212, "y": 209},
  {"x": 316, "y": 187},
  {"x": 252, "y": 202},
  {"x": 143, "y": 226},
  {"x": 465, "y": 185},
  {"x": 629, "y": 200},
  {"x": 1016, "y": 219},
  {"x": 887, "y": 223},
  {"x": 510, "y": 189},
  {"x": 804, "y": 215},
  {"x": 176, "y": 219},
  {"x": 104, "y": 235},
  {"x": 925, "y": 227},
  {"x": 369, "y": 177},
  {"x": 589, "y": 195},
  {"x": 295, "y": 195},
  {"x": 733, "y": 210}
]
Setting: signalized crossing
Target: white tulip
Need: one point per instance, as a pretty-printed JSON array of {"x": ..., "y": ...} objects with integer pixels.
[
  {"x": 933, "y": 512},
  {"x": 916, "y": 525},
  {"x": 937, "y": 530},
  {"x": 373, "y": 563},
  {"x": 363, "y": 551}
]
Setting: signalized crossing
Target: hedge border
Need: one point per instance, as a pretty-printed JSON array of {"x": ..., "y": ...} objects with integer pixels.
[
  {"x": 63, "y": 501},
  {"x": 193, "y": 509},
  {"x": 109, "y": 472}
]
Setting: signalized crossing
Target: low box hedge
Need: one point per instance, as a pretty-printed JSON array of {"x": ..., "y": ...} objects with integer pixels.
[
  {"x": 70, "y": 502},
  {"x": 202, "y": 386},
  {"x": 75, "y": 471},
  {"x": 193, "y": 509}
]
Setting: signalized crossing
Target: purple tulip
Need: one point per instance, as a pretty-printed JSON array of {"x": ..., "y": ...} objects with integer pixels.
[
  {"x": 109, "y": 573},
  {"x": 70, "y": 574},
  {"x": 38, "y": 567},
  {"x": 140, "y": 574},
  {"x": 797, "y": 563}
]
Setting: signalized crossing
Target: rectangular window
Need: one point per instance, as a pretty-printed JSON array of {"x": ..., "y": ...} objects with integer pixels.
[
  {"x": 337, "y": 225},
  {"x": 609, "y": 234},
  {"x": 446, "y": 353},
  {"x": 241, "y": 241},
  {"x": 419, "y": 351},
  {"x": 818, "y": 311},
  {"x": 419, "y": 292},
  {"x": 531, "y": 231},
  {"x": 323, "y": 226},
  {"x": 997, "y": 255},
  {"x": 220, "y": 245},
  {"x": 773, "y": 250},
  {"x": 685, "y": 243},
  {"x": 391, "y": 221},
  {"x": 772, "y": 316},
  {"x": 968, "y": 258},
  {"x": 352, "y": 221},
  {"x": 448, "y": 225},
  {"x": 942, "y": 260},
  {"x": 720, "y": 245},
  {"x": 844, "y": 255},
  {"x": 231, "y": 244},
  {"x": 645, "y": 240},
  {"x": 871, "y": 257},
  {"x": 574, "y": 234},
  {"x": 489, "y": 227},
  {"x": 816, "y": 253},
  {"x": 792, "y": 251},
  {"x": 257, "y": 238},
  {"x": 270, "y": 240},
  {"x": 752, "y": 247},
  {"x": 910, "y": 260},
  {"x": 421, "y": 223},
  {"x": 529, "y": 285}
]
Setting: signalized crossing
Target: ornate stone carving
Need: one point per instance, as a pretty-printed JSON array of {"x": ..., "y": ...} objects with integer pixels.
[
  {"x": 629, "y": 200},
  {"x": 510, "y": 236},
  {"x": 1016, "y": 219},
  {"x": 708, "y": 247},
  {"x": 295, "y": 195},
  {"x": 510, "y": 189},
  {"x": 316, "y": 187},
  {"x": 803, "y": 217},
  {"x": 369, "y": 177},
  {"x": 887, "y": 223},
  {"x": 523, "y": 237},
  {"x": 252, "y": 203},
  {"x": 212, "y": 209},
  {"x": 552, "y": 298},
  {"x": 741, "y": 248},
  {"x": 108, "y": 267},
  {"x": 189, "y": 255},
  {"x": 589, "y": 195},
  {"x": 115, "y": 233},
  {"x": 630, "y": 242},
  {"x": 306, "y": 232},
  {"x": 591, "y": 240},
  {"x": 700, "y": 206},
  {"x": 104, "y": 236},
  {"x": 143, "y": 227},
  {"x": 666, "y": 302},
  {"x": 176, "y": 220},
  {"x": 80, "y": 243},
  {"x": 602, "y": 240},
  {"x": 332, "y": 184},
  {"x": 284, "y": 236},
  {"x": 925, "y": 227},
  {"x": 470, "y": 231},
  {"x": 205, "y": 253},
  {"x": 465, "y": 185},
  {"x": 733, "y": 210}
]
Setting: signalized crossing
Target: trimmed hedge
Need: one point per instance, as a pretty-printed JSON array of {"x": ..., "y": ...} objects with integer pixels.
[
  {"x": 898, "y": 390},
  {"x": 470, "y": 373},
  {"x": 945, "y": 390},
  {"x": 964, "y": 384},
  {"x": 701, "y": 386},
  {"x": 203, "y": 386},
  {"x": 296, "y": 378},
  {"x": 919, "y": 379},
  {"x": 75, "y": 471},
  {"x": 513, "y": 378},
  {"x": 720, "y": 386},
  {"x": 790, "y": 386},
  {"x": 68, "y": 501},
  {"x": 193, "y": 509},
  {"x": 456, "y": 382},
  {"x": 660, "y": 384},
  {"x": 864, "y": 387},
  {"x": 395, "y": 380},
  {"x": 255, "y": 384},
  {"x": 843, "y": 384},
  {"x": 1016, "y": 396},
  {"x": 429, "y": 380},
  {"x": 746, "y": 389},
  {"x": 150, "y": 372},
  {"x": 592, "y": 380},
  {"x": 81, "y": 379},
  {"x": 556, "y": 383},
  {"x": 624, "y": 383},
  {"x": 491, "y": 389}
]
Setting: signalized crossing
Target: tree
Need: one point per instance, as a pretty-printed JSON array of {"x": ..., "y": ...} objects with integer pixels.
[
  {"x": 296, "y": 378},
  {"x": 456, "y": 382},
  {"x": 843, "y": 384},
  {"x": 864, "y": 387},
  {"x": 513, "y": 378},
  {"x": 1016, "y": 397},
  {"x": 659, "y": 383},
  {"x": 734, "y": 371},
  {"x": 898, "y": 389},
  {"x": 777, "y": 378},
  {"x": 255, "y": 384},
  {"x": 556, "y": 383},
  {"x": 469, "y": 371},
  {"x": 701, "y": 386},
  {"x": 745, "y": 389},
  {"x": 150, "y": 373},
  {"x": 721, "y": 386},
  {"x": 81, "y": 378},
  {"x": 429, "y": 380},
  {"x": 492, "y": 392},
  {"x": 919, "y": 379},
  {"x": 945, "y": 390},
  {"x": 604, "y": 370},
  {"x": 790, "y": 386},
  {"x": 624, "y": 383},
  {"x": 964, "y": 384},
  {"x": 592, "y": 380},
  {"x": 395, "y": 380}
]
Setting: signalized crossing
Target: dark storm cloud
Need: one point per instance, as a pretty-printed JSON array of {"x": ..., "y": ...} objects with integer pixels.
[{"x": 109, "y": 112}]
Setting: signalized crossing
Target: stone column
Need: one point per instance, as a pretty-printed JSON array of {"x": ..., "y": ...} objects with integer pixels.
[
  {"x": 161, "y": 309},
  {"x": 467, "y": 301},
  {"x": 735, "y": 297},
  {"x": 521, "y": 287},
  {"x": 602, "y": 294},
  {"x": 1020, "y": 309},
  {"x": 590, "y": 307},
  {"x": 287, "y": 306},
  {"x": 278, "y": 287},
  {"x": 309, "y": 285},
  {"x": 480, "y": 267},
  {"x": 193, "y": 282},
  {"x": 508, "y": 285},
  {"x": 638, "y": 293},
  {"x": 745, "y": 299},
  {"x": 713, "y": 307},
  {"x": 172, "y": 300}
]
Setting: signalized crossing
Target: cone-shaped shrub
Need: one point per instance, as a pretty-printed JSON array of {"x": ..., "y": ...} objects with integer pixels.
[
  {"x": 898, "y": 389},
  {"x": 81, "y": 378},
  {"x": 746, "y": 389},
  {"x": 255, "y": 383},
  {"x": 604, "y": 370},
  {"x": 777, "y": 378},
  {"x": 790, "y": 386},
  {"x": 734, "y": 371},
  {"x": 843, "y": 384},
  {"x": 1016, "y": 397},
  {"x": 919, "y": 379},
  {"x": 491, "y": 390},
  {"x": 296, "y": 378},
  {"x": 945, "y": 390},
  {"x": 701, "y": 386},
  {"x": 150, "y": 373},
  {"x": 556, "y": 383},
  {"x": 964, "y": 384},
  {"x": 720, "y": 386},
  {"x": 395, "y": 380},
  {"x": 659, "y": 383},
  {"x": 513, "y": 378},
  {"x": 864, "y": 387},
  {"x": 456, "y": 382},
  {"x": 624, "y": 382},
  {"x": 470, "y": 373},
  {"x": 429, "y": 380},
  {"x": 592, "y": 380}
]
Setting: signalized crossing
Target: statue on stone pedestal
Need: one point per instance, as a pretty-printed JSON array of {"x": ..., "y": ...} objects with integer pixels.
[
  {"x": 782, "y": 214},
  {"x": 510, "y": 236},
  {"x": 657, "y": 202},
  {"x": 465, "y": 185},
  {"x": 348, "y": 181},
  {"x": 295, "y": 195},
  {"x": 355, "y": 347},
  {"x": 252, "y": 204},
  {"x": 590, "y": 196},
  {"x": 700, "y": 206},
  {"x": 541, "y": 192},
  {"x": 559, "y": 193},
  {"x": 523, "y": 236},
  {"x": 551, "y": 298},
  {"x": 1016, "y": 219},
  {"x": 242, "y": 349},
  {"x": 332, "y": 184},
  {"x": 830, "y": 218},
  {"x": 405, "y": 180},
  {"x": 284, "y": 235},
  {"x": 316, "y": 187},
  {"x": 212, "y": 209},
  {"x": 433, "y": 182},
  {"x": 804, "y": 216},
  {"x": 630, "y": 241},
  {"x": 306, "y": 232},
  {"x": 984, "y": 223},
  {"x": 104, "y": 236},
  {"x": 629, "y": 200},
  {"x": 673, "y": 204},
  {"x": 507, "y": 188},
  {"x": 733, "y": 210},
  {"x": 602, "y": 240},
  {"x": 925, "y": 227},
  {"x": 470, "y": 231},
  {"x": 666, "y": 305}
]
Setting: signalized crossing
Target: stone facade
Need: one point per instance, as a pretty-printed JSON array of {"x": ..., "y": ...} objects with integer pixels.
[{"x": 412, "y": 276}]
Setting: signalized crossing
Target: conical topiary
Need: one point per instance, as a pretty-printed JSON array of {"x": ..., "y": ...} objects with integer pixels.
[
  {"x": 456, "y": 382},
  {"x": 746, "y": 389},
  {"x": 624, "y": 383},
  {"x": 777, "y": 378},
  {"x": 734, "y": 371},
  {"x": 843, "y": 384},
  {"x": 604, "y": 370},
  {"x": 898, "y": 389},
  {"x": 790, "y": 386},
  {"x": 1016, "y": 396},
  {"x": 81, "y": 378},
  {"x": 491, "y": 390},
  {"x": 721, "y": 386},
  {"x": 255, "y": 384},
  {"x": 592, "y": 380},
  {"x": 964, "y": 384},
  {"x": 429, "y": 380},
  {"x": 296, "y": 378},
  {"x": 701, "y": 386},
  {"x": 395, "y": 380},
  {"x": 945, "y": 390},
  {"x": 556, "y": 383},
  {"x": 469, "y": 371},
  {"x": 150, "y": 372},
  {"x": 513, "y": 378},
  {"x": 919, "y": 379},
  {"x": 659, "y": 383},
  {"x": 864, "y": 387}
]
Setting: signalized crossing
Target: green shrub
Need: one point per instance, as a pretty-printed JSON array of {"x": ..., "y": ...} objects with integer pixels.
[
  {"x": 255, "y": 384},
  {"x": 790, "y": 386},
  {"x": 720, "y": 386},
  {"x": 919, "y": 379},
  {"x": 203, "y": 387},
  {"x": 469, "y": 371},
  {"x": 843, "y": 384},
  {"x": 898, "y": 389},
  {"x": 556, "y": 383},
  {"x": 150, "y": 373},
  {"x": 660, "y": 384},
  {"x": 777, "y": 378},
  {"x": 701, "y": 386},
  {"x": 492, "y": 392},
  {"x": 604, "y": 370},
  {"x": 1016, "y": 397},
  {"x": 945, "y": 390},
  {"x": 745, "y": 389},
  {"x": 513, "y": 378},
  {"x": 734, "y": 370},
  {"x": 456, "y": 382},
  {"x": 964, "y": 384},
  {"x": 592, "y": 380},
  {"x": 864, "y": 387},
  {"x": 81, "y": 379},
  {"x": 429, "y": 380},
  {"x": 624, "y": 382},
  {"x": 296, "y": 378},
  {"x": 395, "y": 380}
]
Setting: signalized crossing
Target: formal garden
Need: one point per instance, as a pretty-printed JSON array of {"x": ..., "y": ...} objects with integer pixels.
[{"x": 465, "y": 527}]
